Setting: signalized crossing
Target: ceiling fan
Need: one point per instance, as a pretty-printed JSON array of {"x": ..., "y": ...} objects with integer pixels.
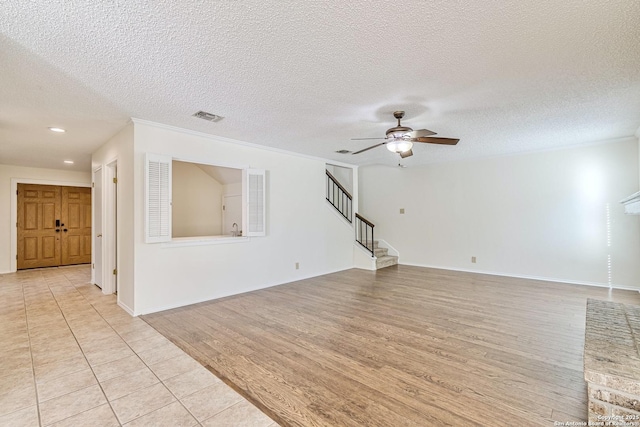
[{"x": 400, "y": 139}]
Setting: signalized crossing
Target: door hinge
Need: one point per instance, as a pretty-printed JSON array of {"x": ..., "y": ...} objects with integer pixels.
[
  {"x": 16, "y": 224},
  {"x": 93, "y": 184},
  {"x": 224, "y": 207},
  {"x": 115, "y": 271},
  {"x": 115, "y": 180},
  {"x": 93, "y": 266},
  {"x": 16, "y": 192},
  {"x": 16, "y": 257}
]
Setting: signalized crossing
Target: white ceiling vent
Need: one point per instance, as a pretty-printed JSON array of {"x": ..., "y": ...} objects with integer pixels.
[{"x": 208, "y": 116}]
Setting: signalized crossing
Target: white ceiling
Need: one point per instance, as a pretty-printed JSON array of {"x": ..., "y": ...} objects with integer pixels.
[{"x": 306, "y": 76}]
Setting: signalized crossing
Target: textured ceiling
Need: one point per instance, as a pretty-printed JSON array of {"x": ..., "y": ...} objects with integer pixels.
[{"x": 306, "y": 76}]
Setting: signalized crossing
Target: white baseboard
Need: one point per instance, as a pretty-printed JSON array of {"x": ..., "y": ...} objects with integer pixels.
[
  {"x": 126, "y": 308},
  {"x": 523, "y": 276}
]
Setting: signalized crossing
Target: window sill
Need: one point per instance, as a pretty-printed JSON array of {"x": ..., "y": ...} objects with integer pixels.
[{"x": 203, "y": 240}]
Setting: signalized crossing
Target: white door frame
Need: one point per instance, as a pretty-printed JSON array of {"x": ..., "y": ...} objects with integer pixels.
[
  {"x": 13, "y": 265},
  {"x": 97, "y": 175},
  {"x": 110, "y": 224}
]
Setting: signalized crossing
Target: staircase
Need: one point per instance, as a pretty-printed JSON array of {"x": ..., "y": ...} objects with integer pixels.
[
  {"x": 341, "y": 200},
  {"x": 383, "y": 259}
]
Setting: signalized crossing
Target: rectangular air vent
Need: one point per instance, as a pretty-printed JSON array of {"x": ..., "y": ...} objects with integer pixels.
[
  {"x": 343, "y": 151},
  {"x": 208, "y": 116}
]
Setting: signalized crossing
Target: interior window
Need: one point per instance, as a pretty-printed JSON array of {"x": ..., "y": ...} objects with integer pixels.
[
  {"x": 188, "y": 200},
  {"x": 206, "y": 200}
]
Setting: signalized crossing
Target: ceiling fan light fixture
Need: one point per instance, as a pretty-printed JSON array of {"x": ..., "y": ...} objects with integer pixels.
[{"x": 399, "y": 145}]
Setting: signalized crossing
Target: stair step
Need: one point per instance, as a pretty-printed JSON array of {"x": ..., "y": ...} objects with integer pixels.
[
  {"x": 386, "y": 261},
  {"x": 368, "y": 243},
  {"x": 380, "y": 252}
]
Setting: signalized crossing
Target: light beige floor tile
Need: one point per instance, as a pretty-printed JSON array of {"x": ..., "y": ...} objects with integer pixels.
[
  {"x": 160, "y": 353},
  {"x": 129, "y": 383},
  {"x": 17, "y": 344},
  {"x": 71, "y": 404},
  {"x": 147, "y": 343},
  {"x": 209, "y": 401},
  {"x": 83, "y": 312},
  {"x": 15, "y": 359},
  {"x": 138, "y": 332},
  {"x": 142, "y": 402},
  {"x": 117, "y": 368},
  {"x": 174, "y": 366},
  {"x": 16, "y": 396},
  {"x": 101, "y": 416},
  {"x": 44, "y": 318},
  {"x": 48, "y": 330},
  {"x": 66, "y": 384},
  {"x": 60, "y": 368},
  {"x": 109, "y": 354},
  {"x": 172, "y": 415},
  {"x": 17, "y": 362},
  {"x": 62, "y": 352},
  {"x": 241, "y": 414},
  {"x": 188, "y": 383},
  {"x": 27, "y": 417},
  {"x": 51, "y": 310},
  {"x": 15, "y": 376},
  {"x": 53, "y": 343},
  {"x": 14, "y": 325},
  {"x": 87, "y": 335},
  {"x": 44, "y": 337}
]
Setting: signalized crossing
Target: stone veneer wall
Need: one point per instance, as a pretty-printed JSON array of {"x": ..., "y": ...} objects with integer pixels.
[{"x": 612, "y": 363}]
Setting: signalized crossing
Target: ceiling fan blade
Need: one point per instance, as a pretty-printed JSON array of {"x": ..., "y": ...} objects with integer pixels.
[
  {"x": 369, "y": 148},
  {"x": 436, "y": 140},
  {"x": 362, "y": 139},
  {"x": 406, "y": 154},
  {"x": 420, "y": 133}
]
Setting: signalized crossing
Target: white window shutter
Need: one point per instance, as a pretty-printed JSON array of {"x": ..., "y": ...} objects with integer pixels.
[
  {"x": 157, "y": 200},
  {"x": 256, "y": 202}
]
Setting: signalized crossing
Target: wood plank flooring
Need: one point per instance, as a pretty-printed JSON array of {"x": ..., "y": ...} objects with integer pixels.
[{"x": 401, "y": 346}]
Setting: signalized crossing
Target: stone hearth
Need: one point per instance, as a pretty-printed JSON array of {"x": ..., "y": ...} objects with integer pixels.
[{"x": 612, "y": 363}]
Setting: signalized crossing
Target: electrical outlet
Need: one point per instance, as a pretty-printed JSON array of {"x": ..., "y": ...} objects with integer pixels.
[
  {"x": 297, "y": 266},
  {"x": 401, "y": 210},
  {"x": 473, "y": 259}
]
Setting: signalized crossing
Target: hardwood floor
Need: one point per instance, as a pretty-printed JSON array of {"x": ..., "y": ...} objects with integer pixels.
[{"x": 397, "y": 347}]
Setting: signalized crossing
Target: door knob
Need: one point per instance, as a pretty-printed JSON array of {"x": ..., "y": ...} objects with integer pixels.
[
  {"x": 57, "y": 230},
  {"x": 65, "y": 230},
  {"x": 99, "y": 235}
]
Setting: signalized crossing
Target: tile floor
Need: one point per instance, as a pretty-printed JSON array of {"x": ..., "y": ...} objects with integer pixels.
[{"x": 69, "y": 356}]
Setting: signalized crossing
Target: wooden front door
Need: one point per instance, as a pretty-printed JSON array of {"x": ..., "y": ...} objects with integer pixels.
[
  {"x": 75, "y": 238},
  {"x": 54, "y": 225}
]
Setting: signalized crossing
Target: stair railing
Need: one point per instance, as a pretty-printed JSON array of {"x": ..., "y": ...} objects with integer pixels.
[
  {"x": 339, "y": 197},
  {"x": 364, "y": 233}
]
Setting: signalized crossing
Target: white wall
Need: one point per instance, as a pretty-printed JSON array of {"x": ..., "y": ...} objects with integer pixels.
[
  {"x": 232, "y": 189},
  {"x": 301, "y": 227},
  {"x": 7, "y": 200},
  {"x": 548, "y": 215},
  {"x": 120, "y": 148},
  {"x": 196, "y": 202},
  {"x": 343, "y": 175}
]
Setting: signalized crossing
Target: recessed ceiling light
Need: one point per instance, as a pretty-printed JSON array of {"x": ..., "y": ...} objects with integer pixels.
[
  {"x": 59, "y": 130},
  {"x": 69, "y": 162}
]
